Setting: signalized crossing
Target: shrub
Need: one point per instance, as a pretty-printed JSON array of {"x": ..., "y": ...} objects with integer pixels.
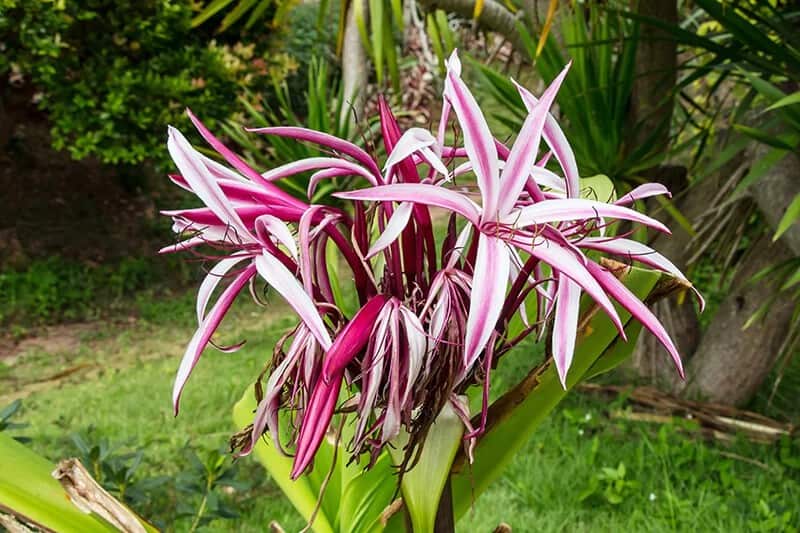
[
  {"x": 56, "y": 289},
  {"x": 111, "y": 74}
]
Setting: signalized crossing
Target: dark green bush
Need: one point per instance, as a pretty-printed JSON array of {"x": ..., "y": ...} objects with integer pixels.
[
  {"x": 112, "y": 74},
  {"x": 56, "y": 289}
]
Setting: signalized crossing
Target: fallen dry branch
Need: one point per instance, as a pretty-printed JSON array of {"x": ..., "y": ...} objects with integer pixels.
[{"x": 717, "y": 421}]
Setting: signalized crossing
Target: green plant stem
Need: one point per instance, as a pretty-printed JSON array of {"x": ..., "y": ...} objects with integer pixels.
[{"x": 202, "y": 509}]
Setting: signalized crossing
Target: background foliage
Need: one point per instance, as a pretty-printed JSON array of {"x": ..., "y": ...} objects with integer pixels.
[{"x": 111, "y": 74}]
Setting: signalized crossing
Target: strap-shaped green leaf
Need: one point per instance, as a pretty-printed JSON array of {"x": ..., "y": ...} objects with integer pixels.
[
  {"x": 423, "y": 485},
  {"x": 302, "y": 493},
  {"x": 789, "y": 217},
  {"x": 29, "y": 491}
]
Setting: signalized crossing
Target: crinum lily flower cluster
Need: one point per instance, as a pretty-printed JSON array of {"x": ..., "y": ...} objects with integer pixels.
[{"x": 431, "y": 318}]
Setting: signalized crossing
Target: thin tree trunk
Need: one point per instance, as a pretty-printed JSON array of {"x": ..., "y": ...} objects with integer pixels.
[
  {"x": 5, "y": 122},
  {"x": 656, "y": 73}
]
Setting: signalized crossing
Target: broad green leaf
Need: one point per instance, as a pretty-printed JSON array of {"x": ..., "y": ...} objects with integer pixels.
[
  {"x": 617, "y": 353},
  {"x": 523, "y": 414},
  {"x": 598, "y": 187},
  {"x": 365, "y": 495},
  {"x": 302, "y": 493},
  {"x": 789, "y": 217},
  {"x": 28, "y": 489},
  {"x": 359, "y": 10},
  {"x": 449, "y": 39},
  {"x": 423, "y": 485},
  {"x": 436, "y": 41},
  {"x": 397, "y": 14},
  {"x": 773, "y": 94},
  {"x": 391, "y": 53}
]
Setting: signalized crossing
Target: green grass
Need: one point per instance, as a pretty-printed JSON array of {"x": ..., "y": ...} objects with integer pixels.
[{"x": 672, "y": 482}]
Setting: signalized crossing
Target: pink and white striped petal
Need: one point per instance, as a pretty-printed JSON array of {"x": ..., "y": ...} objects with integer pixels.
[
  {"x": 489, "y": 281},
  {"x": 643, "y": 191},
  {"x": 287, "y": 285},
  {"x": 565, "y": 325},
  {"x": 637, "y": 309},
  {"x": 267, "y": 410},
  {"x": 397, "y": 223},
  {"x": 236, "y": 162},
  {"x": 636, "y": 251},
  {"x": 417, "y": 344},
  {"x": 210, "y": 282},
  {"x": 478, "y": 140},
  {"x": 522, "y": 156},
  {"x": 203, "y": 183},
  {"x": 206, "y": 330},
  {"x": 316, "y": 177},
  {"x": 565, "y": 261},
  {"x": 323, "y": 139},
  {"x": 353, "y": 337},
  {"x": 557, "y": 141},
  {"x": 416, "y": 141},
  {"x": 316, "y": 163},
  {"x": 316, "y": 419},
  {"x": 269, "y": 226},
  {"x": 418, "y": 193},
  {"x": 559, "y": 210}
]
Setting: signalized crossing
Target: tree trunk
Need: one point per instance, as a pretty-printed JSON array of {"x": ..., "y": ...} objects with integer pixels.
[
  {"x": 354, "y": 68},
  {"x": 652, "y": 100},
  {"x": 730, "y": 364}
]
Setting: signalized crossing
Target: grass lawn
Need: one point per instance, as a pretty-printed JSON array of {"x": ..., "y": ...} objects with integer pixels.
[{"x": 581, "y": 472}]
